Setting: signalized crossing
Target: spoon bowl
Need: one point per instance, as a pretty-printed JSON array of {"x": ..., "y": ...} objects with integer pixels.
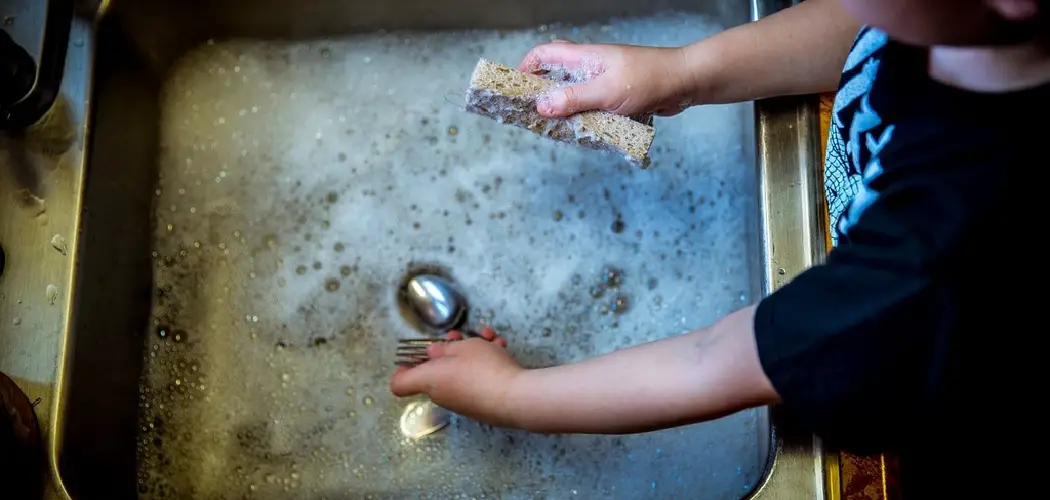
[{"x": 435, "y": 301}]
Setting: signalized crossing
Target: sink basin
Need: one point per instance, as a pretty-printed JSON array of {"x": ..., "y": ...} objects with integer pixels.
[{"x": 202, "y": 286}]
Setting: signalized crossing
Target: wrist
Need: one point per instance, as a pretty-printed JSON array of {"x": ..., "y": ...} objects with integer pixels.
[
  {"x": 515, "y": 404},
  {"x": 699, "y": 63}
]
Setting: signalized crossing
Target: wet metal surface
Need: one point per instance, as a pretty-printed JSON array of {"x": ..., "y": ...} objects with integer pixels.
[
  {"x": 435, "y": 302},
  {"x": 346, "y": 149}
]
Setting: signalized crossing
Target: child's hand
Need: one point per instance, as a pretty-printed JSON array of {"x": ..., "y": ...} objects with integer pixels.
[
  {"x": 469, "y": 377},
  {"x": 623, "y": 79}
]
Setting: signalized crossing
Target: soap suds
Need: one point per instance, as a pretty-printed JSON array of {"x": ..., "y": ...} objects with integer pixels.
[
  {"x": 590, "y": 66},
  {"x": 300, "y": 181}
]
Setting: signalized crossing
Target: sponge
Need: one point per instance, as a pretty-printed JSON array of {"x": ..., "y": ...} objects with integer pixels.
[{"x": 509, "y": 96}]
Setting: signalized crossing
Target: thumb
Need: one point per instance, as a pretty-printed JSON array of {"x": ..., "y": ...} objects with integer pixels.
[
  {"x": 564, "y": 101},
  {"x": 411, "y": 381}
]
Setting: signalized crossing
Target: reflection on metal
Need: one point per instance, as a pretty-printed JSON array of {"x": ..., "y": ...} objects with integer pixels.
[
  {"x": 435, "y": 301},
  {"x": 423, "y": 418},
  {"x": 93, "y": 9}
]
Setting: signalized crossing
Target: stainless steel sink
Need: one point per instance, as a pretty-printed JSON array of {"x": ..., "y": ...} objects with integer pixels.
[{"x": 201, "y": 281}]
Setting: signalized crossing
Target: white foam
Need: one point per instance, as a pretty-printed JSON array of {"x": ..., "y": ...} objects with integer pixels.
[{"x": 301, "y": 180}]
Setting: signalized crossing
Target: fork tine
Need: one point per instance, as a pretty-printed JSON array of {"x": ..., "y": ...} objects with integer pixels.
[
  {"x": 408, "y": 360},
  {"x": 412, "y": 359},
  {"x": 420, "y": 340},
  {"x": 412, "y": 355},
  {"x": 412, "y": 352}
]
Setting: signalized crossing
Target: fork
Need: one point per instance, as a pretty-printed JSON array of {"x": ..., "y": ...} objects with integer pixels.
[{"x": 413, "y": 351}]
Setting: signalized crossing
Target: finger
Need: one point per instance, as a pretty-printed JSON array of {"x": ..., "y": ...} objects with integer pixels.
[
  {"x": 564, "y": 101},
  {"x": 560, "y": 52},
  {"x": 410, "y": 381},
  {"x": 454, "y": 335},
  {"x": 488, "y": 333}
]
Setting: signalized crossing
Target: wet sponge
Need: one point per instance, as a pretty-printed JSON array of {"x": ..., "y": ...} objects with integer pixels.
[{"x": 509, "y": 96}]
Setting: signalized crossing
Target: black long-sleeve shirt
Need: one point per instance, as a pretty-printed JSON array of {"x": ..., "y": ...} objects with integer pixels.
[{"x": 913, "y": 336}]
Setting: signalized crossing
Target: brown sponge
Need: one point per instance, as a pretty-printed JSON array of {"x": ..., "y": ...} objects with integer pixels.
[{"x": 509, "y": 96}]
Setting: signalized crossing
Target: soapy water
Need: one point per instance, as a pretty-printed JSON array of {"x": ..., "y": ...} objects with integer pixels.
[{"x": 300, "y": 182}]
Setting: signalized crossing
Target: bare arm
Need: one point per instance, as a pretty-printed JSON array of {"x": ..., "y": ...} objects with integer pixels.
[
  {"x": 698, "y": 376},
  {"x": 799, "y": 50}
]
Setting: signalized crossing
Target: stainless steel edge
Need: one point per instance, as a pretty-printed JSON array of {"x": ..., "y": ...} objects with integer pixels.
[
  {"x": 793, "y": 239},
  {"x": 82, "y": 42},
  {"x": 41, "y": 186}
]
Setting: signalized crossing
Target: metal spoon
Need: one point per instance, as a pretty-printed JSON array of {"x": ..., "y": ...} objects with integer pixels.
[
  {"x": 435, "y": 302},
  {"x": 422, "y": 418}
]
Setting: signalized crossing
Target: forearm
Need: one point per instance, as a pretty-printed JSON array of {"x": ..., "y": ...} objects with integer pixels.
[
  {"x": 686, "y": 379},
  {"x": 799, "y": 50}
]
